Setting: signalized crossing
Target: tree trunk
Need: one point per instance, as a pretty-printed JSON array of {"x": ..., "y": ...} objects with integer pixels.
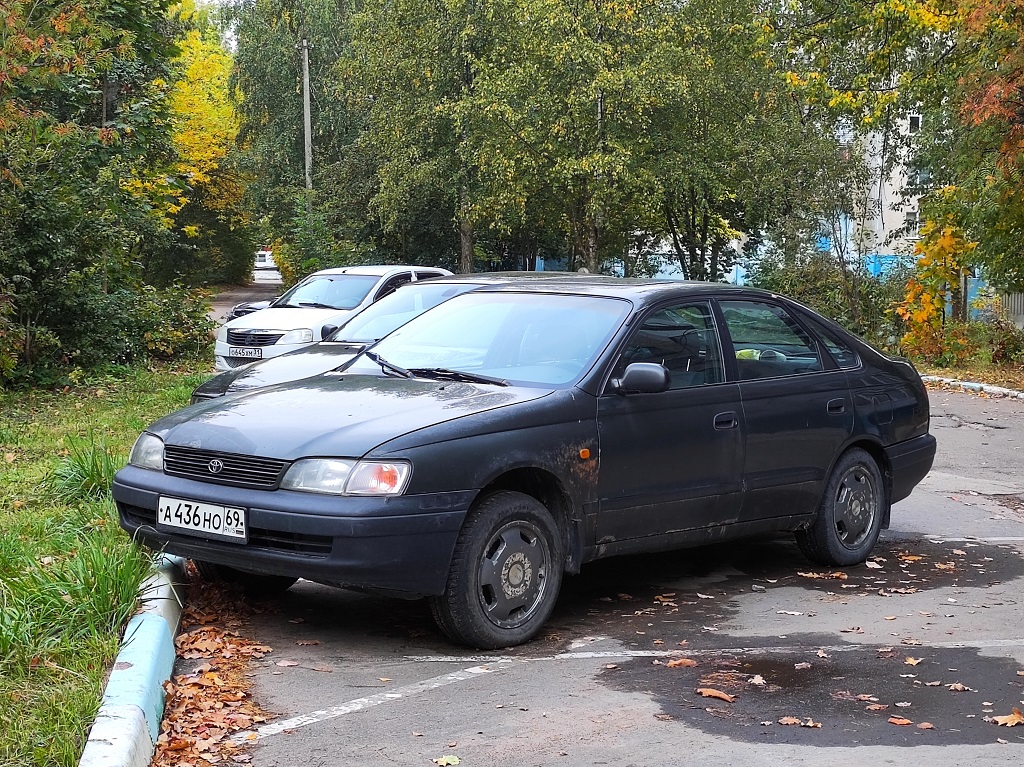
[{"x": 465, "y": 233}]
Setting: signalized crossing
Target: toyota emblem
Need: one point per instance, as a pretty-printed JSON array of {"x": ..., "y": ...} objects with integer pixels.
[{"x": 215, "y": 466}]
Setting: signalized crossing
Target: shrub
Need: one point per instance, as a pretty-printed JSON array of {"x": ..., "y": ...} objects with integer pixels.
[{"x": 87, "y": 471}]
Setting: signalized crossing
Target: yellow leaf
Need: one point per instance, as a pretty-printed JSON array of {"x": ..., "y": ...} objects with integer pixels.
[
  {"x": 710, "y": 692},
  {"x": 1011, "y": 720}
]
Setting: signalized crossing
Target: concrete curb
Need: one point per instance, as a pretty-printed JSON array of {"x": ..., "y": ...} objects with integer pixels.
[
  {"x": 994, "y": 391},
  {"x": 128, "y": 723}
]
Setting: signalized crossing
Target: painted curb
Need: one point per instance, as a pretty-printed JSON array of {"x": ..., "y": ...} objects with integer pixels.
[
  {"x": 971, "y": 386},
  {"x": 128, "y": 723}
]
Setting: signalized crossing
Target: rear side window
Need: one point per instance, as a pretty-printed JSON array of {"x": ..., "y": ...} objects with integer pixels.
[
  {"x": 767, "y": 342},
  {"x": 841, "y": 351},
  {"x": 428, "y": 275}
]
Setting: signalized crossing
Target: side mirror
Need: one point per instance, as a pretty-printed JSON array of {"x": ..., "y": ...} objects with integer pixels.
[
  {"x": 328, "y": 330},
  {"x": 643, "y": 378}
]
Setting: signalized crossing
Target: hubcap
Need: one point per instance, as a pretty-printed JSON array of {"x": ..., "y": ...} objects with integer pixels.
[
  {"x": 513, "y": 573},
  {"x": 856, "y": 506}
]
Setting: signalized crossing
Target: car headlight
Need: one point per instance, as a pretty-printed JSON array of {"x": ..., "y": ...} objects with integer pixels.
[
  {"x": 297, "y": 336},
  {"x": 341, "y": 477},
  {"x": 147, "y": 452}
]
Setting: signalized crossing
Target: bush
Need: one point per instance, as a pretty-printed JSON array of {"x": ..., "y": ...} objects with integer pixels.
[{"x": 86, "y": 472}]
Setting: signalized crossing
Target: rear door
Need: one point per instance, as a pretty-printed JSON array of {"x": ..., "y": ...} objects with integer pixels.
[
  {"x": 671, "y": 461},
  {"x": 796, "y": 407}
]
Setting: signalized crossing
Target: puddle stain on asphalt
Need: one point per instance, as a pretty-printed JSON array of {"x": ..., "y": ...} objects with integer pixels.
[{"x": 836, "y": 692}]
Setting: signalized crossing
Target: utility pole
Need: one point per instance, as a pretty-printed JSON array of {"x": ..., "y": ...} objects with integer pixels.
[{"x": 306, "y": 119}]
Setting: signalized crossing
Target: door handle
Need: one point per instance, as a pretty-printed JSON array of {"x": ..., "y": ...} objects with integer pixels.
[
  {"x": 836, "y": 406},
  {"x": 725, "y": 421}
]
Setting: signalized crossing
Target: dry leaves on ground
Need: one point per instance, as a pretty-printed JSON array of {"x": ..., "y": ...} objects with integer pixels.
[
  {"x": 899, "y": 720},
  {"x": 1011, "y": 720},
  {"x": 681, "y": 663},
  {"x": 710, "y": 692},
  {"x": 208, "y": 706}
]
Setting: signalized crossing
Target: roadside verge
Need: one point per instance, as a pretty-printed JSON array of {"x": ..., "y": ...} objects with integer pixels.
[{"x": 128, "y": 723}]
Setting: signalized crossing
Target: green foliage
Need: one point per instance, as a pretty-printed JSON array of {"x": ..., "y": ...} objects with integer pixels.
[
  {"x": 86, "y": 472},
  {"x": 847, "y": 294}
]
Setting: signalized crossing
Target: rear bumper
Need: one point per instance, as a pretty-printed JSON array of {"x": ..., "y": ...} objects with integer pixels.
[
  {"x": 399, "y": 544},
  {"x": 909, "y": 462}
]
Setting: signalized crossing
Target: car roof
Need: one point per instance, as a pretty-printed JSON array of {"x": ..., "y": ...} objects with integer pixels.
[
  {"x": 377, "y": 270},
  {"x": 641, "y": 290}
]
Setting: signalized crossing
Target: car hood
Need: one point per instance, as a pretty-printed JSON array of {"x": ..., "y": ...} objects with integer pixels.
[
  {"x": 277, "y": 318},
  {"x": 330, "y": 415},
  {"x": 310, "y": 361}
]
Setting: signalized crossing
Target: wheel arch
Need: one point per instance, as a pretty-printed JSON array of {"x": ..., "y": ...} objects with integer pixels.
[
  {"x": 546, "y": 488},
  {"x": 877, "y": 452}
]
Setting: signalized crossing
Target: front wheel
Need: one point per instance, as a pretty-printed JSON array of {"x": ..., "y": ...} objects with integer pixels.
[
  {"x": 505, "y": 574},
  {"x": 850, "y": 515}
]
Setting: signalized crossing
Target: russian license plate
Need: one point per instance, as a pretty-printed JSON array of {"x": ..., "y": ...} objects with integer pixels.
[
  {"x": 252, "y": 352},
  {"x": 201, "y": 518}
]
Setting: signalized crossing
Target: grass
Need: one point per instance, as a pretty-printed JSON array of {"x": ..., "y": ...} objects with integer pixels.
[{"x": 69, "y": 576}]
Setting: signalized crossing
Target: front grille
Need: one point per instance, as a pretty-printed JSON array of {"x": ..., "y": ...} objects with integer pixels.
[
  {"x": 239, "y": 470},
  {"x": 250, "y": 338},
  {"x": 237, "y": 362},
  {"x": 260, "y": 537}
]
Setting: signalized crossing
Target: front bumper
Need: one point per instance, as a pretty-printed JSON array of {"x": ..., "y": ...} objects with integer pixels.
[
  {"x": 223, "y": 361},
  {"x": 400, "y": 544},
  {"x": 909, "y": 462}
]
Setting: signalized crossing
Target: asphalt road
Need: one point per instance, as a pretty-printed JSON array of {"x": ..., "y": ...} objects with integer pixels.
[{"x": 931, "y": 632}]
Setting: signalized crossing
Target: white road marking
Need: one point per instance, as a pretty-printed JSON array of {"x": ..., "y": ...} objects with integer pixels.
[{"x": 360, "y": 704}]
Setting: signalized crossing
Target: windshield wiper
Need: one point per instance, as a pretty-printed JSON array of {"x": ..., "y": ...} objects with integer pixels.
[
  {"x": 444, "y": 374},
  {"x": 388, "y": 366},
  {"x": 314, "y": 305}
]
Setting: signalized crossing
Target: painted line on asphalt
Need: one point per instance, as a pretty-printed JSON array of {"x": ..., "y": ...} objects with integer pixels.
[
  {"x": 361, "y": 704},
  {"x": 473, "y": 672}
]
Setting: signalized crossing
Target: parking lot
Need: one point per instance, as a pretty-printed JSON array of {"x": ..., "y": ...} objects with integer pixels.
[{"x": 919, "y": 648}]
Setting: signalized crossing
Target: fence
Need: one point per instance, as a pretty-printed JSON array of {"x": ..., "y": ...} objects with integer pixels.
[{"x": 1014, "y": 305}]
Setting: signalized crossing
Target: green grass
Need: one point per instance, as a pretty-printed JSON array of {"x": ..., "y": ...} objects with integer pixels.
[{"x": 69, "y": 576}]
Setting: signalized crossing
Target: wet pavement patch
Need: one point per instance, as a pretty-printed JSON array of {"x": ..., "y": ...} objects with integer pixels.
[
  {"x": 677, "y": 594},
  {"x": 945, "y": 696}
]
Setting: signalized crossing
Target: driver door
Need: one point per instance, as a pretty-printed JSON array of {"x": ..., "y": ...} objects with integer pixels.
[{"x": 671, "y": 461}]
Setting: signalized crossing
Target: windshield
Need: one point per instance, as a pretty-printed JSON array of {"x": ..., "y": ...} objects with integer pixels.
[
  {"x": 329, "y": 291},
  {"x": 524, "y": 338},
  {"x": 380, "y": 318}
]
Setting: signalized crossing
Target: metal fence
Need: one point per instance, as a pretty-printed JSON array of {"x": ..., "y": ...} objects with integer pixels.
[{"x": 1014, "y": 305}]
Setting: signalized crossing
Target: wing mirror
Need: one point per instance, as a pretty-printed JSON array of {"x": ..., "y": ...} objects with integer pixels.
[
  {"x": 328, "y": 330},
  {"x": 642, "y": 378}
]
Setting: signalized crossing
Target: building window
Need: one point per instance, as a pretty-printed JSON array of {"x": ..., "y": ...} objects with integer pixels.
[
  {"x": 911, "y": 223},
  {"x": 915, "y": 123}
]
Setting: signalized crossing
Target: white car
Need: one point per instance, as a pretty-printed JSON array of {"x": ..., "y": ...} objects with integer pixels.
[{"x": 313, "y": 308}]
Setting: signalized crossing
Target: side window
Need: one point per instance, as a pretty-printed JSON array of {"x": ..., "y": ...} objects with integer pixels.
[
  {"x": 427, "y": 275},
  {"x": 840, "y": 350},
  {"x": 767, "y": 341},
  {"x": 393, "y": 284},
  {"x": 683, "y": 339}
]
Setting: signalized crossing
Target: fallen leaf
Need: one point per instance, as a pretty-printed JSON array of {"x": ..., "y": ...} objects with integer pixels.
[
  {"x": 822, "y": 654},
  {"x": 932, "y": 684},
  {"x": 307, "y": 642},
  {"x": 704, "y": 596},
  {"x": 867, "y": 697},
  {"x": 1011, "y": 720},
  {"x": 611, "y": 665},
  {"x": 876, "y": 707},
  {"x": 910, "y": 641},
  {"x": 287, "y": 663},
  {"x": 445, "y": 761},
  {"x": 296, "y": 620},
  {"x": 787, "y": 612},
  {"x": 710, "y": 692},
  {"x": 384, "y": 679},
  {"x": 811, "y": 723},
  {"x": 960, "y": 553},
  {"x": 890, "y": 617},
  {"x": 852, "y": 630},
  {"x": 957, "y": 687},
  {"x": 912, "y": 661},
  {"x": 873, "y": 565},
  {"x": 789, "y": 720},
  {"x": 664, "y": 717},
  {"x": 758, "y": 680},
  {"x": 681, "y": 663},
  {"x": 452, "y": 745},
  {"x": 767, "y": 724},
  {"x": 903, "y": 704},
  {"x": 926, "y": 726},
  {"x": 1020, "y": 673},
  {"x": 899, "y": 720},
  {"x": 801, "y": 666}
]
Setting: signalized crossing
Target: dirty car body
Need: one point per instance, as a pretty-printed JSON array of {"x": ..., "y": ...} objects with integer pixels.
[{"x": 511, "y": 435}]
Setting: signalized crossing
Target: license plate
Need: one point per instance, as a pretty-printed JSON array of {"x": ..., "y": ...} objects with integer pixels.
[
  {"x": 252, "y": 352},
  {"x": 201, "y": 518}
]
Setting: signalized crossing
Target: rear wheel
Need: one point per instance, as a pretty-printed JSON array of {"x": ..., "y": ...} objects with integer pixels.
[
  {"x": 254, "y": 583},
  {"x": 850, "y": 515},
  {"x": 505, "y": 574}
]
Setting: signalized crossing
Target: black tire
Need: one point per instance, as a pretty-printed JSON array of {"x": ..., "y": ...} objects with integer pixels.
[
  {"x": 850, "y": 515},
  {"x": 254, "y": 583},
  {"x": 505, "y": 574}
]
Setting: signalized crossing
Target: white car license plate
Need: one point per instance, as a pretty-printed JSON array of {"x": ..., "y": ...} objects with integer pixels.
[
  {"x": 201, "y": 518},
  {"x": 252, "y": 352}
]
